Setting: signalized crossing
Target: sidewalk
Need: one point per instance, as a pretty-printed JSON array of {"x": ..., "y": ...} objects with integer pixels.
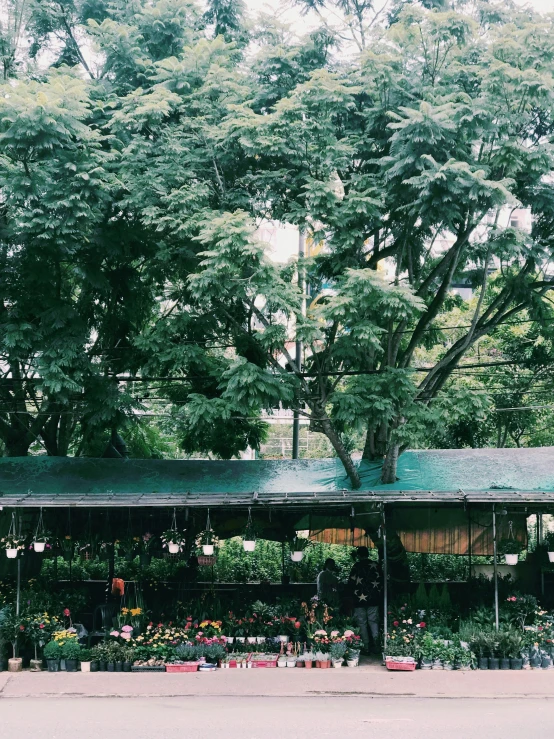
[{"x": 370, "y": 681}]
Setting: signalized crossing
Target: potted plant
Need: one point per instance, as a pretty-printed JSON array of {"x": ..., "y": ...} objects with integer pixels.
[
  {"x": 516, "y": 646},
  {"x": 249, "y": 536},
  {"x": 145, "y": 546},
  {"x": 128, "y": 655},
  {"x": 337, "y": 651},
  {"x": 511, "y": 550},
  {"x": 448, "y": 657},
  {"x": 173, "y": 540},
  {"x": 42, "y": 540},
  {"x": 492, "y": 646},
  {"x": 426, "y": 652},
  {"x": 13, "y": 544},
  {"x": 549, "y": 544},
  {"x": 12, "y": 627},
  {"x": 297, "y": 548},
  {"x": 308, "y": 659},
  {"x": 71, "y": 652},
  {"x": 52, "y": 655},
  {"x": 99, "y": 654},
  {"x": 480, "y": 645},
  {"x": 85, "y": 658},
  {"x": 504, "y": 649}
]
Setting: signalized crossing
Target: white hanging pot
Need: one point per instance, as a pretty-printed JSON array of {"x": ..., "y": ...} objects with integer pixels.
[
  {"x": 511, "y": 559},
  {"x": 39, "y": 546},
  {"x": 11, "y": 553},
  {"x": 173, "y": 548},
  {"x": 297, "y": 556},
  {"x": 249, "y": 546},
  {"x": 551, "y": 556},
  {"x": 208, "y": 549}
]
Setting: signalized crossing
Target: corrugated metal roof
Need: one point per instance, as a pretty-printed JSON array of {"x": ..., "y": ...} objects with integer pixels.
[{"x": 429, "y": 476}]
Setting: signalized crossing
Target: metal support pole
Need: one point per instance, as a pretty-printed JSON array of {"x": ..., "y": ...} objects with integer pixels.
[
  {"x": 385, "y": 580},
  {"x": 18, "y": 594},
  {"x": 298, "y": 356},
  {"x": 495, "y": 566}
]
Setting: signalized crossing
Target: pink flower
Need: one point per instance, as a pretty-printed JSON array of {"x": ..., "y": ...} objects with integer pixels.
[
  {"x": 114, "y": 633},
  {"x": 66, "y": 612},
  {"x": 125, "y": 635},
  {"x": 127, "y": 628},
  {"x": 41, "y": 626}
]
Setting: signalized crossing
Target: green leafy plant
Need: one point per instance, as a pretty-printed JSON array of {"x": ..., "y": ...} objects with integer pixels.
[
  {"x": 509, "y": 546},
  {"x": 71, "y": 649},
  {"x": 52, "y": 650}
]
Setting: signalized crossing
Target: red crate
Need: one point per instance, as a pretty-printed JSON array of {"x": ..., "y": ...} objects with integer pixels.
[
  {"x": 190, "y": 667},
  {"x": 401, "y": 666}
]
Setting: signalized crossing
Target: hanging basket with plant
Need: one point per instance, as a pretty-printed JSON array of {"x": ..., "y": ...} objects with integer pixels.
[
  {"x": 298, "y": 546},
  {"x": 511, "y": 549},
  {"x": 249, "y": 535},
  {"x": 549, "y": 544}
]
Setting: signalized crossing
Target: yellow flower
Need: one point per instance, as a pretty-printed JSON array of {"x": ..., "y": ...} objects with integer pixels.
[
  {"x": 136, "y": 611},
  {"x": 124, "y": 611}
]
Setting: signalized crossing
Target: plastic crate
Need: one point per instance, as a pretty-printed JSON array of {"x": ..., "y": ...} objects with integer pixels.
[
  {"x": 393, "y": 664},
  {"x": 148, "y": 668}
]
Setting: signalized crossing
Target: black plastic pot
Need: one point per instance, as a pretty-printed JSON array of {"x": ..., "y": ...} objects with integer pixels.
[
  {"x": 504, "y": 664},
  {"x": 119, "y": 666},
  {"x": 546, "y": 663},
  {"x": 94, "y": 666},
  {"x": 101, "y": 666},
  {"x": 111, "y": 666},
  {"x": 126, "y": 667},
  {"x": 516, "y": 663},
  {"x": 494, "y": 663},
  {"x": 535, "y": 662},
  {"x": 71, "y": 665},
  {"x": 53, "y": 665},
  {"x": 483, "y": 663},
  {"x": 3, "y": 664}
]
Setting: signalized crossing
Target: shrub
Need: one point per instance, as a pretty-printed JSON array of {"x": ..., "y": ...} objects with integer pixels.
[{"x": 52, "y": 650}]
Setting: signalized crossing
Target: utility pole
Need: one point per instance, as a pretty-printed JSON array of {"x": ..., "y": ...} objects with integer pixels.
[{"x": 298, "y": 357}]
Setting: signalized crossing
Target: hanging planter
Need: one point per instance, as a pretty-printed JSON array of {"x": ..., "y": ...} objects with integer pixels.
[
  {"x": 173, "y": 539},
  {"x": 13, "y": 543},
  {"x": 549, "y": 544},
  {"x": 510, "y": 548},
  {"x": 206, "y": 540},
  {"x": 42, "y": 537},
  {"x": 249, "y": 535},
  {"x": 297, "y": 548}
]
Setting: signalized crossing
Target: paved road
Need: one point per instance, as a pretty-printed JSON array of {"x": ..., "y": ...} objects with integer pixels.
[{"x": 274, "y": 718}]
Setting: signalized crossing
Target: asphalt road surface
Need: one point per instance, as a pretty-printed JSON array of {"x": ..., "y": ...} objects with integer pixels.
[{"x": 275, "y": 718}]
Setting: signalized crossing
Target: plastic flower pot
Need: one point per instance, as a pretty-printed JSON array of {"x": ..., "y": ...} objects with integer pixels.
[
  {"x": 284, "y": 638},
  {"x": 354, "y": 663},
  {"x": 102, "y": 666},
  {"x": 39, "y": 546},
  {"x": 71, "y": 665},
  {"x": 251, "y": 639},
  {"x": 325, "y": 664},
  {"x": 437, "y": 664},
  {"x": 173, "y": 548},
  {"x": 94, "y": 666},
  {"x": 127, "y": 667},
  {"x": 249, "y": 546},
  {"x": 337, "y": 663},
  {"x": 85, "y": 666},
  {"x": 240, "y": 639},
  {"x": 53, "y": 665},
  {"x": 551, "y": 556},
  {"x": 504, "y": 664},
  {"x": 447, "y": 666},
  {"x": 483, "y": 663},
  {"x": 535, "y": 663},
  {"x": 110, "y": 667},
  {"x": 308, "y": 664},
  {"x": 297, "y": 556},
  {"x": 511, "y": 559},
  {"x": 546, "y": 663},
  {"x": 260, "y": 639},
  {"x": 494, "y": 663},
  {"x": 119, "y": 666},
  {"x": 208, "y": 549},
  {"x": 3, "y": 664},
  {"x": 426, "y": 664},
  {"x": 11, "y": 553},
  {"x": 516, "y": 663}
]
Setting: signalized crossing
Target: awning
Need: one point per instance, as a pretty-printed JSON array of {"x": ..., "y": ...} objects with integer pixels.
[{"x": 430, "y": 477}]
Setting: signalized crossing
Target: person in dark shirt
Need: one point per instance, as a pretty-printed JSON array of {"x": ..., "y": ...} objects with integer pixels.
[{"x": 366, "y": 585}]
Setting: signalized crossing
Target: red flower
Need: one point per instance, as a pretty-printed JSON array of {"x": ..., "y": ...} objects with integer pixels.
[
  {"x": 41, "y": 626},
  {"x": 66, "y": 612},
  {"x": 22, "y": 628},
  {"x": 422, "y": 625},
  {"x": 395, "y": 623},
  {"x": 297, "y": 625}
]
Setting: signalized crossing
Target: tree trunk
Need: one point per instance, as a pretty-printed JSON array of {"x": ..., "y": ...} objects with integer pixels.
[
  {"x": 342, "y": 454},
  {"x": 388, "y": 473},
  {"x": 17, "y": 443}
]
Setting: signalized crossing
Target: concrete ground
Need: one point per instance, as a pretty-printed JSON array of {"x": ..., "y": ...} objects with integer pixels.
[
  {"x": 219, "y": 717},
  {"x": 370, "y": 682}
]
